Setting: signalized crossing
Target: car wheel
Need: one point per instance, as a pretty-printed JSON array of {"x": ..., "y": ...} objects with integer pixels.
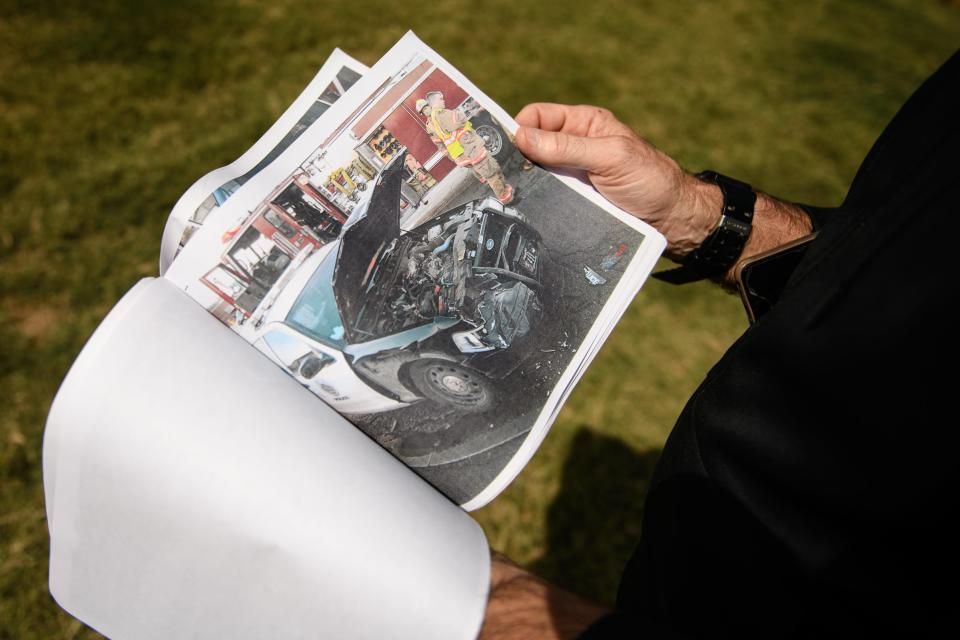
[
  {"x": 453, "y": 384},
  {"x": 494, "y": 140}
]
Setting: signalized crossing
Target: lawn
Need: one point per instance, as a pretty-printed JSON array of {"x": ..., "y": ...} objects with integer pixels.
[{"x": 109, "y": 110}]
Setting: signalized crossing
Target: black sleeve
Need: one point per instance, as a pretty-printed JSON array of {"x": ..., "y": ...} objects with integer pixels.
[
  {"x": 611, "y": 625},
  {"x": 705, "y": 567},
  {"x": 819, "y": 216},
  {"x": 622, "y": 626}
]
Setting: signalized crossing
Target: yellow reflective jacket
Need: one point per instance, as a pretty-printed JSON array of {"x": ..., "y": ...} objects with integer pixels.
[{"x": 450, "y": 139}]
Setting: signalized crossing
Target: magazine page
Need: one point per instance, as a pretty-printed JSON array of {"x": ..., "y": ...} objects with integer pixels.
[
  {"x": 336, "y": 76},
  {"x": 404, "y": 263},
  {"x": 195, "y": 491}
]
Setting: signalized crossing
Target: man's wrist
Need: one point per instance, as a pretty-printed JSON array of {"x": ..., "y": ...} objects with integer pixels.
[
  {"x": 696, "y": 213},
  {"x": 698, "y": 209},
  {"x": 522, "y": 605}
]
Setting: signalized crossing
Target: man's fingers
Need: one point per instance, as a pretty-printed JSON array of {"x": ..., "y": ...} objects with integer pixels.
[
  {"x": 544, "y": 115},
  {"x": 529, "y": 116},
  {"x": 558, "y": 149},
  {"x": 578, "y": 120},
  {"x": 556, "y": 117}
]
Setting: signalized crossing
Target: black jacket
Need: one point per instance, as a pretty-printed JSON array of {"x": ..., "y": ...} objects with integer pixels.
[{"x": 810, "y": 485}]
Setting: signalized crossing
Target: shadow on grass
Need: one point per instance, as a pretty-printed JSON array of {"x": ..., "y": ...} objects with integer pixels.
[{"x": 594, "y": 523}]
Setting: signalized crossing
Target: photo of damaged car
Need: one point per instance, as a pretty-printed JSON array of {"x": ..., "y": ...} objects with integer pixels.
[{"x": 380, "y": 318}]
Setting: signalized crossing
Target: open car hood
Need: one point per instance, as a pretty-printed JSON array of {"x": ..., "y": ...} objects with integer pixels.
[{"x": 363, "y": 239}]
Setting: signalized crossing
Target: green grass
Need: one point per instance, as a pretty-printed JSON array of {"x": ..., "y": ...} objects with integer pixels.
[{"x": 109, "y": 110}]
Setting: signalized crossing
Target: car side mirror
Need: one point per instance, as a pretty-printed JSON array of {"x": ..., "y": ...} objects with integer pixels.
[{"x": 312, "y": 364}]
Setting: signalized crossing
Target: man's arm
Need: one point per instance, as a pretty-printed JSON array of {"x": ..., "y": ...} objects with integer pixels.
[
  {"x": 775, "y": 222},
  {"x": 458, "y": 117},
  {"x": 434, "y": 136},
  {"x": 644, "y": 181},
  {"x": 522, "y": 606}
]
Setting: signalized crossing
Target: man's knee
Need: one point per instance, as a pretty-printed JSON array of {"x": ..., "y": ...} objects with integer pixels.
[{"x": 488, "y": 168}]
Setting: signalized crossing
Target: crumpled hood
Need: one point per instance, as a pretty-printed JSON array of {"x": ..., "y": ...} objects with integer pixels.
[{"x": 364, "y": 238}]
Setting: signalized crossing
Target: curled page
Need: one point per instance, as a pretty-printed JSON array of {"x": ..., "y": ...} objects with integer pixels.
[
  {"x": 207, "y": 194},
  {"x": 196, "y": 491}
]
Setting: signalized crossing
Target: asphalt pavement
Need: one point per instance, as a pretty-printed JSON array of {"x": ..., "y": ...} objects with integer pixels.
[{"x": 461, "y": 453}]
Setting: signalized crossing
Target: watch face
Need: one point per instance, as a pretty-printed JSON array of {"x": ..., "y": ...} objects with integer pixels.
[{"x": 735, "y": 226}]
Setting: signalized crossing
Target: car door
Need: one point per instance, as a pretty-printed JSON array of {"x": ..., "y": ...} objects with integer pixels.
[{"x": 322, "y": 369}]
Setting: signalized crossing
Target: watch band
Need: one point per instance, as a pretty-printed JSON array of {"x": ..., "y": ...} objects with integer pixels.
[{"x": 724, "y": 244}]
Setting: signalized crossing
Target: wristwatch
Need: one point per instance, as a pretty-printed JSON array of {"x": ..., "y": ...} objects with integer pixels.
[{"x": 724, "y": 244}]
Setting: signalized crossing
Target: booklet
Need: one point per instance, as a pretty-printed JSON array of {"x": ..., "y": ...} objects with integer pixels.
[{"x": 362, "y": 330}]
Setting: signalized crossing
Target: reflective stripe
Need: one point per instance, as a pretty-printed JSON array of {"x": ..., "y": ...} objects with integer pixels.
[
  {"x": 466, "y": 162},
  {"x": 452, "y": 140}
]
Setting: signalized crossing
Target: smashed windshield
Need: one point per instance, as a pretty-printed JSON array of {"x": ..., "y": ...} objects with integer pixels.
[{"x": 315, "y": 311}]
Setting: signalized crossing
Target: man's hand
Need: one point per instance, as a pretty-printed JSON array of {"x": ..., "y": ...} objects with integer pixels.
[
  {"x": 522, "y": 606},
  {"x": 642, "y": 180},
  {"x": 626, "y": 169}
]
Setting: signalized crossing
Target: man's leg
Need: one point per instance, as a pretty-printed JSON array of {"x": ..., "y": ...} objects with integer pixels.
[
  {"x": 490, "y": 170},
  {"x": 477, "y": 175}
]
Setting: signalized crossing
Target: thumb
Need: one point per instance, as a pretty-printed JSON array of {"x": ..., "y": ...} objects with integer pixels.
[{"x": 559, "y": 149}]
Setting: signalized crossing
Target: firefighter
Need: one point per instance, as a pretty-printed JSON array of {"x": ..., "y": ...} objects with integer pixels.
[
  {"x": 422, "y": 181},
  {"x": 451, "y": 130}
]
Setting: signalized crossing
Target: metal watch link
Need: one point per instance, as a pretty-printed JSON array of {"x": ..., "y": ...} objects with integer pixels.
[{"x": 724, "y": 244}]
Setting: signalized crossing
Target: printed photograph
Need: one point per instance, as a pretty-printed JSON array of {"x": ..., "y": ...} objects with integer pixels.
[
  {"x": 345, "y": 78},
  {"x": 423, "y": 278}
]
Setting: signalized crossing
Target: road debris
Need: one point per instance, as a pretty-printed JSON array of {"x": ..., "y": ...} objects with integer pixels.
[
  {"x": 613, "y": 258},
  {"x": 593, "y": 277}
]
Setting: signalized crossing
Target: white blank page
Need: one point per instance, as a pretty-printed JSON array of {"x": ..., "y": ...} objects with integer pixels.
[{"x": 196, "y": 491}]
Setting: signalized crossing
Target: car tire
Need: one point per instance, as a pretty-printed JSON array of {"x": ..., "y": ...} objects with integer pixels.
[
  {"x": 495, "y": 140},
  {"x": 451, "y": 384}
]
